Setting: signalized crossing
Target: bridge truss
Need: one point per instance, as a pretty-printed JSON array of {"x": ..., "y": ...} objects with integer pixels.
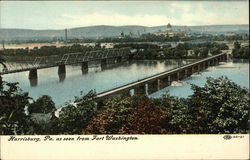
[{"x": 66, "y": 59}]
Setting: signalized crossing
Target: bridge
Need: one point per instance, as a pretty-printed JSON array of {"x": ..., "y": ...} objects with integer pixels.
[
  {"x": 156, "y": 82},
  {"x": 117, "y": 55}
]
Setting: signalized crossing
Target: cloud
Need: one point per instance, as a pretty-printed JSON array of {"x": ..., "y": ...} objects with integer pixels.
[
  {"x": 99, "y": 18},
  {"x": 58, "y": 15},
  {"x": 187, "y": 16}
]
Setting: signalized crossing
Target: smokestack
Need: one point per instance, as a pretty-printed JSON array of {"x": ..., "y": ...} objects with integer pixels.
[
  {"x": 3, "y": 45},
  {"x": 66, "y": 35}
]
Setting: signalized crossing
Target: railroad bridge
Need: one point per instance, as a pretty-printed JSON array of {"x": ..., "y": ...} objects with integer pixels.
[{"x": 103, "y": 56}]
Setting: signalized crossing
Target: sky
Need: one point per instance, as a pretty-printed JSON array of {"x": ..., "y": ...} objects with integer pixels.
[{"x": 70, "y": 14}]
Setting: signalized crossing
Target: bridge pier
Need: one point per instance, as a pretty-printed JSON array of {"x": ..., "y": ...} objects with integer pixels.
[
  {"x": 33, "y": 74},
  {"x": 219, "y": 59},
  {"x": 186, "y": 73},
  {"x": 182, "y": 74},
  {"x": 33, "y": 78},
  {"x": 189, "y": 71},
  {"x": 199, "y": 68},
  {"x": 211, "y": 62},
  {"x": 173, "y": 77},
  {"x": 61, "y": 69},
  {"x": 163, "y": 82},
  {"x": 140, "y": 90},
  {"x": 204, "y": 66},
  {"x": 84, "y": 67},
  {"x": 153, "y": 86},
  {"x": 178, "y": 76},
  {"x": 169, "y": 80},
  {"x": 104, "y": 63},
  {"x": 224, "y": 58},
  {"x": 216, "y": 61},
  {"x": 62, "y": 72},
  {"x": 119, "y": 59}
]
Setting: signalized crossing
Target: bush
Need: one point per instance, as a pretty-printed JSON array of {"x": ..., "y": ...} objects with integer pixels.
[
  {"x": 72, "y": 119},
  {"x": 43, "y": 104}
]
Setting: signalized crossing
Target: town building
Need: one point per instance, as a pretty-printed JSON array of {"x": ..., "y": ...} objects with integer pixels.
[{"x": 170, "y": 32}]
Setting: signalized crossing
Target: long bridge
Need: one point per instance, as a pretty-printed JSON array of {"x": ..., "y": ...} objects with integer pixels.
[
  {"x": 117, "y": 54},
  {"x": 156, "y": 82}
]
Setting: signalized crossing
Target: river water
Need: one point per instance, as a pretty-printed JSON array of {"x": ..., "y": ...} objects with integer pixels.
[
  {"x": 64, "y": 89},
  {"x": 235, "y": 70}
]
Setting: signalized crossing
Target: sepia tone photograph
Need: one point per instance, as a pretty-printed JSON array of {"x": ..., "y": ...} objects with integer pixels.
[{"x": 124, "y": 68}]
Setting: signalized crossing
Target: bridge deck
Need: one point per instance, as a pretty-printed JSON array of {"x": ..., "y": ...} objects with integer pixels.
[
  {"x": 145, "y": 80},
  {"x": 51, "y": 65}
]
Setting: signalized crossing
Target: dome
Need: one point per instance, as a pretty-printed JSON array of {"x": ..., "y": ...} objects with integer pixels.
[{"x": 169, "y": 27}]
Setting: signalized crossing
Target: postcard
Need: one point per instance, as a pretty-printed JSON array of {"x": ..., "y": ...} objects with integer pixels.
[{"x": 124, "y": 79}]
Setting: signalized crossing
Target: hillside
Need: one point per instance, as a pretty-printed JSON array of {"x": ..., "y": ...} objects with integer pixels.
[{"x": 110, "y": 31}]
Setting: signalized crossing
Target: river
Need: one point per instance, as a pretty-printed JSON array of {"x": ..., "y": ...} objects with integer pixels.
[
  {"x": 64, "y": 90},
  {"x": 236, "y": 70}
]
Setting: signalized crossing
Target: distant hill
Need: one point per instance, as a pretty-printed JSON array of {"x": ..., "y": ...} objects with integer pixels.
[{"x": 110, "y": 31}]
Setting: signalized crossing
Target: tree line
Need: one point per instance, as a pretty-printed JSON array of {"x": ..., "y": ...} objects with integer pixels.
[
  {"x": 49, "y": 50},
  {"x": 181, "y": 51}
]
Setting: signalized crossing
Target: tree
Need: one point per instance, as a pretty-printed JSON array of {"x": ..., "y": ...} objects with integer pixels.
[
  {"x": 237, "y": 45},
  {"x": 235, "y": 51},
  {"x": 73, "y": 118},
  {"x": 215, "y": 50},
  {"x": 181, "y": 117},
  {"x": 243, "y": 52},
  {"x": 196, "y": 51},
  {"x": 2, "y": 62},
  {"x": 43, "y": 104},
  {"x": 147, "y": 119},
  {"x": 13, "y": 119},
  {"x": 221, "y": 106},
  {"x": 111, "y": 117},
  {"x": 204, "y": 52}
]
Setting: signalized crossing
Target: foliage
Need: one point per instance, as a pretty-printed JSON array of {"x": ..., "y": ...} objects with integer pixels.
[
  {"x": 179, "y": 113},
  {"x": 73, "y": 118},
  {"x": 147, "y": 119},
  {"x": 43, "y": 104},
  {"x": 240, "y": 52},
  {"x": 13, "y": 119},
  {"x": 215, "y": 51},
  {"x": 111, "y": 117},
  {"x": 2, "y": 62},
  {"x": 220, "y": 106},
  {"x": 48, "y": 50}
]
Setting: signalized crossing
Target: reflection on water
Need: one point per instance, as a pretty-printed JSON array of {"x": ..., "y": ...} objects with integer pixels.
[
  {"x": 64, "y": 87},
  {"x": 33, "y": 82},
  {"x": 62, "y": 77},
  {"x": 235, "y": 70}
]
